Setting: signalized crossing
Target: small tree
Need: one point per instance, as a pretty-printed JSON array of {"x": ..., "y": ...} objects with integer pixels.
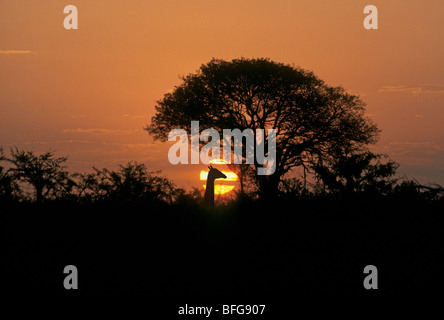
[
  {"x": 45, "y": 173},
  {"x": 129, "y": 183}
]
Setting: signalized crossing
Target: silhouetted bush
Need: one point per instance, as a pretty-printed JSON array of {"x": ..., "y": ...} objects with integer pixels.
[
  {"x": 50, "y": 181},
  {"x": 45, "y": 173},
  {"x": 356, "y": 172},
  {"x": 132, "y": 182},
  {"x": 354, "y": 176}
]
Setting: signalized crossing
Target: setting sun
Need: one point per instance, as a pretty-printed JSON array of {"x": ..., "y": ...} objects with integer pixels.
[
  {"x": 221, "y": 189},
  {"x": 231, "y": 176},
  {"x": 220, "y": 186}
]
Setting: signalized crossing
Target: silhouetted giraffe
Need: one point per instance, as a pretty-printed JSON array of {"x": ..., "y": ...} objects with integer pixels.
[{"x": 213, "y": 174}]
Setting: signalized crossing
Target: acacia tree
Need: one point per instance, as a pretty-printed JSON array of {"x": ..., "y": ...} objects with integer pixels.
[
  {"x": 311, "y": 118},
  {"x": 44, "y": 172}
]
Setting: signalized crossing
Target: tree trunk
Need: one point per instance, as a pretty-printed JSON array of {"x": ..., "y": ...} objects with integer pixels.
[
  {"x": 39, "y": 194},
  {"x": 269, "y": 187}
]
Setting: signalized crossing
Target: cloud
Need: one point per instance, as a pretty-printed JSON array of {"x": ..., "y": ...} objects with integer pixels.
[
  {"x": 56, "y": 142},
  {"x": 84, "y": 154},
  {"x": 101, "y": 131},
  {"x": 140, "y": 116},
  {"x": 415, "y": 90},
  {"x": 150, "y": 147},
  {"x": 10, "y": 52},
  {"x": 422, "y": 146},
  {"x": 422, "y": 160},
  {"x": 414, "y": 152},
  {"x": 356, "y": 93}
]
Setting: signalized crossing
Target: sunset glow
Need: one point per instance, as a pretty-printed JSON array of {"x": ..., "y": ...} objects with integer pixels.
[
  {"x": 231, "y": 176},
  {"x": 88, "y": 93},
  {"x": 219, "y": 185},
  {"x": 221, "y": 189},
  {"x": 218, "y": 161}
]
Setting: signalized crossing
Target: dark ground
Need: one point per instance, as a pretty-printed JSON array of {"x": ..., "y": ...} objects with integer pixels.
[{"x": 280, "y": 248}]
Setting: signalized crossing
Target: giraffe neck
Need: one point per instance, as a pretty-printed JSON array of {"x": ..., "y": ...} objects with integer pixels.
[{"x": 209, "y": 192}]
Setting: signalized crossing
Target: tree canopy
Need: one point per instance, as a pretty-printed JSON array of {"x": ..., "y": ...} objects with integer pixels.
[
  {"x": 311, "y": 118},
  {"x": 45, "y": 172}
]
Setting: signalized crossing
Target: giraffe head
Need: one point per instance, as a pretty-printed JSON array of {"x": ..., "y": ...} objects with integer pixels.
[{"x": 215, "y": 174}]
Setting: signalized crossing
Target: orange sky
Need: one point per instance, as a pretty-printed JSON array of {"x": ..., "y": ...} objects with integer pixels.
[{"x": 88, "y": 93}]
